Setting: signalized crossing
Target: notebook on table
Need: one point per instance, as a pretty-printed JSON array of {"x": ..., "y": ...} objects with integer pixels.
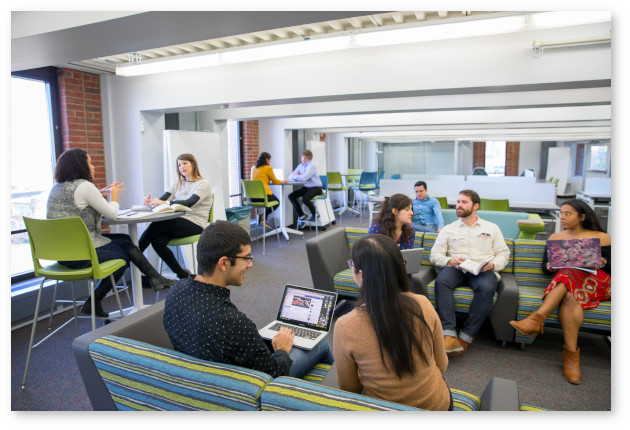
[
  {"x": 306, "y": 311},
  {"x": 413, "y": 259},
  {"x": 574, "y": 253}
]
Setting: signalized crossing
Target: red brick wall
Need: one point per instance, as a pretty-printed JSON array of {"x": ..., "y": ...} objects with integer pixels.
[
  {"x": 251, "y": 146},
  {"x": 511, "y": 158},
  {"x": 479, "y": 154},
  {"x": 81, "y": 117}
]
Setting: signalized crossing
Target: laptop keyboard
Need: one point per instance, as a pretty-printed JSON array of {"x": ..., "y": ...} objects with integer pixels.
[{"x": 298, "y": 331}]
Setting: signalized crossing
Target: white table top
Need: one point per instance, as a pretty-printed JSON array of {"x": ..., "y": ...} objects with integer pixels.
[{"x": 149, "y": 218}]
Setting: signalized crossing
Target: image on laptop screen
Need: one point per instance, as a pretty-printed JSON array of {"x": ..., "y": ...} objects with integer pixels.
[{"x": 307, "y": 307}]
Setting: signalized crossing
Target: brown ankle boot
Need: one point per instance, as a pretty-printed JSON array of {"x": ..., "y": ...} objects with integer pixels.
[
  {"x": 572, "y": 365},
  {"x": 531, "y": 325}
]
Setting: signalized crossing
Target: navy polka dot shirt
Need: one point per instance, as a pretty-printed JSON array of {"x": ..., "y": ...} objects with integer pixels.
[
  {"x": 201, "y": 321},
  {"x": 375, "y": 228}
]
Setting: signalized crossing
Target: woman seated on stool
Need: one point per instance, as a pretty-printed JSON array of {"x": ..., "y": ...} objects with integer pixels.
[
  {"x": 74, "y": 194},
  {"x": 264, "y": 172},
  {"x": 190, "y": 190},
  {"x": 391, "y": 345},
  {"x": 394, "y": 220},
  {"x": 572, "y": 289}
]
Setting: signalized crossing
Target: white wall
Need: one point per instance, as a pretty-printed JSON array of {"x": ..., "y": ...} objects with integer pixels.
[
  {"x": 529, "y": 157},
  {"x": 489, "y": 61}
]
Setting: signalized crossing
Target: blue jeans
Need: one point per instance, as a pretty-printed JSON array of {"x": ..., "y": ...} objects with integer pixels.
[
  {"x": 303, "y": 360},
  {"x": 427, "y": 228},
  {"x": 483, "y": 285}
]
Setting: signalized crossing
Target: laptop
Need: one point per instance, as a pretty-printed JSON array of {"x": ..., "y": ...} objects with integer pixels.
[
  {"x": 578, "y": 253},
  {"x": 306, "y": 311},
  {"x": 413, "y": 259}
]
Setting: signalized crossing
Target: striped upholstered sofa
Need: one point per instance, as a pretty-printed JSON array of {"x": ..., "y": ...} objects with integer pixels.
[
  {"x": 327, "y": 255},
  {"x": 532, "y": 283},
  {"x": 129, "y": 365}
]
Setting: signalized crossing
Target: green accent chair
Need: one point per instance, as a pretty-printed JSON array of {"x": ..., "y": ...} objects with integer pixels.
[
  {"x": 502, "y": 205},
  {"x": 443, "y": 202},
  {"x": 353, "y": 181},
  {"x": 335, "y": 185},
  {"x": 256, "y": 190},
  {"x": 65, "y": 239},
  {"x": 530, "y": 226}
]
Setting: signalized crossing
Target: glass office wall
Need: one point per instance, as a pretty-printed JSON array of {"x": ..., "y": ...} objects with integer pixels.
[{"x": 425, "y": 158}]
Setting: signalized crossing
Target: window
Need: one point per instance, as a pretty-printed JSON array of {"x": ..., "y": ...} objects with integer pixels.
[
  {"x": 598, "y": 159},
  {"x": 35, "y": 143},
  {"x": 495, "y": 157}
]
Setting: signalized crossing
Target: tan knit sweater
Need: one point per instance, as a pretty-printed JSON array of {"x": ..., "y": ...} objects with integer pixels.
[{"x": 360, "y": 369}]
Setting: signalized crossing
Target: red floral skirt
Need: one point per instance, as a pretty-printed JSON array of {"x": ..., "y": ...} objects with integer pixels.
[{"x": 588, "y": 289}]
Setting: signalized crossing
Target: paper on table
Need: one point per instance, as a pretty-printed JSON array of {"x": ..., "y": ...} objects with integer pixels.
[{"x": 131, "y": 215}]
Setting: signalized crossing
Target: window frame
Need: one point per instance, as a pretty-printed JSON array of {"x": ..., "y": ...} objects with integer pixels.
[{"x": 48, "y": 75}]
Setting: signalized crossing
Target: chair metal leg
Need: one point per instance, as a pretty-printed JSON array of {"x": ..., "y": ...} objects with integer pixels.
[
  {"x": 30, "y": 344},
  {"x": 52, "y": 305},
  {"x": 194, "y": 260},
  {"x": 264, "y": 230},
  {"x": 93, "y": 302},
  {"x": 74, "y": 310},
  {"x": 111, "y": 277}
]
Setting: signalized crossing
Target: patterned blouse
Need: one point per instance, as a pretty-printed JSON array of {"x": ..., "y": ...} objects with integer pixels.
[{"x": 375, "y": 228}]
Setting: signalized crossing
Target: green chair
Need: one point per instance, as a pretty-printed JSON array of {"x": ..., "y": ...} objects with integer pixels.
[
  {"x": 502, "y": 205},
  {"x": 530, "y": 226},
  {"x": 65, "y": 239},
  {"x": 188, "y": 240},
  {"x": 367, "y": 185},
  {"x": 443, "y": 202},
  {"x": 353, "y": 181},
  {"x": 335, "y": 184},
  {"x": 256, "y": 190}
]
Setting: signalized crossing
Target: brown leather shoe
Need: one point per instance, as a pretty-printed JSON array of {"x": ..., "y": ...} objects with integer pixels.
[
  {"x": 453, "y": 347},
  {"x": 572, "y": 365},
  {"x": 532, "y": 325}
]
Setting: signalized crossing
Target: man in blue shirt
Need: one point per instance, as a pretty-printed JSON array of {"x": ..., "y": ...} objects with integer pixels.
[
  {"x": 307, "y": 174},
  {"x": 427, "y": 212}
]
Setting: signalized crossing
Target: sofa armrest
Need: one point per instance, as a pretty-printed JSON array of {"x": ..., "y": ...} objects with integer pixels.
[
  {"x": 421, "y": 279},
  {"x": 327, "y": 255},
  {"x": 505, "y": 308},
  {"x": 500, "y": 395},
  {"x": 144, "y": 325}
]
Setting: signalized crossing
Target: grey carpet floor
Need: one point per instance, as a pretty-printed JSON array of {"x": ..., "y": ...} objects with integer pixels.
[{"x": 54, "y": 382}]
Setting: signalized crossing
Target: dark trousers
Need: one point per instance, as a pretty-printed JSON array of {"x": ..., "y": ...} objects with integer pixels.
[
  {"x": 158, "y": 234},
  {"x": 270, "y": 198},
  {"x": 117, "y": 249},
  {"x": 483, "y": 285},
  {"x": 307, "y": 194}
]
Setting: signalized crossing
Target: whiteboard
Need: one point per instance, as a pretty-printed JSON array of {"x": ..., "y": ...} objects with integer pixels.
[
  {"x": 206, "y": 148},
  {"x": 558, "y": 166}
]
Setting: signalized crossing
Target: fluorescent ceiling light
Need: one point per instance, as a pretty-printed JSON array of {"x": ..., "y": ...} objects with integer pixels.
[
  {"x": 289, "y": 49},
  {"x": 182, "y": 62},
  {"x": 438, "y": 31}
]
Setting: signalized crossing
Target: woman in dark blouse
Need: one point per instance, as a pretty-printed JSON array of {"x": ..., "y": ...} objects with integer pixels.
[
  {"x": 394, "y": 220},
  {"x": 572, "y": 289}
]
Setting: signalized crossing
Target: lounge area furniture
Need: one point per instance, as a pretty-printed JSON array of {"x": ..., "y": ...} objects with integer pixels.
[
  {"x": 508, "y": 222},
  {"x": 256, "y": 190},
  {"x": 130, "y": 365}
]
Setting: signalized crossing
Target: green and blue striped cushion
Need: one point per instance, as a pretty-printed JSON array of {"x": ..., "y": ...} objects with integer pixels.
[
  {"x": 290, "y": 394},
  {"x": 145, "y": 377},
  {"x": 317, "y": 373},
  {"x": 343, "y": 282},
  {"x": 532, "y": 283}
]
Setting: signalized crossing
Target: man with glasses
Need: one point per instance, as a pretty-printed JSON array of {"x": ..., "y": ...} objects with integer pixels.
[{"x": 201, "y": 320}]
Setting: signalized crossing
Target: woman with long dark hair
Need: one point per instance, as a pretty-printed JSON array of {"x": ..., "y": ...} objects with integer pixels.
[
  {"x": 394, "y": 220},
  {"x": 573, "y": 290},
  {"x": 264, "y": 172},
  {"x": 391, "y": 346},
  {"x": 191, "y": 190},
  {"x": 74, "y": 194}
]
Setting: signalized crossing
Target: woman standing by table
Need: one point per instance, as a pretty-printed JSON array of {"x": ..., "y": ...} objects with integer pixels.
[
  {"x": 572, "y": 290},
  {"x": 190, "y": 190},
  {"x": 394, "y": 220},
  {"x": 74, "y": 194}
]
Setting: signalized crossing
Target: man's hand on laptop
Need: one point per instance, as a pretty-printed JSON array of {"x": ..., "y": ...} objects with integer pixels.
[{"x": 283, "y": 340}]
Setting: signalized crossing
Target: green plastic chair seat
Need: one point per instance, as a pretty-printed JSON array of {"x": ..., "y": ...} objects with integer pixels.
[
  {"x": 59, "y": 272},
  {"x": 188, "y": 240},
  {"x": 494, "y": 205}
]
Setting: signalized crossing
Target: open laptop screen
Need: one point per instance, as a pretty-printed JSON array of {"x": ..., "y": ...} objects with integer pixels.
[{"x": 307, "y": 307}]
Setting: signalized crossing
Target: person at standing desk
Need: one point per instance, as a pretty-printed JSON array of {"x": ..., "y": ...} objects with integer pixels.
[
  {"x": 190, "y": 190},
  {"x": 263, "y": 171},
  {"x": 307, "y": 174},
  {"x": 390, "y": 346},
  {"x": 74, "y": 194}
]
